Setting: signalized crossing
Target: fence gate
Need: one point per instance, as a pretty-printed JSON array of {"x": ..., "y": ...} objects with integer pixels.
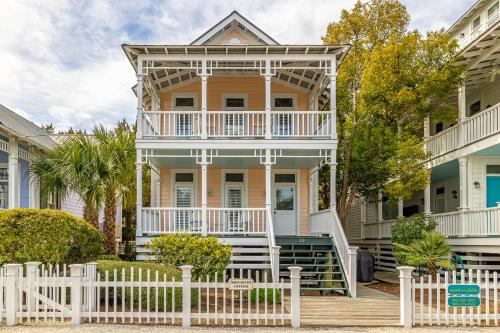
[
  {"x": 78, "y": 293},
  {"x": 465, "y": 298}
]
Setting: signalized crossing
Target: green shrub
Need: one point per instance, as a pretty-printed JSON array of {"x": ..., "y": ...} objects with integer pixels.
[
  {"x": 262, "y": 296},
  {"x": 164, "y": 272},
  {"x": 46, "y": 235},
  {"x": 206, "y": 254},
  {"x": 113, "y": 257},
  {"x": 408, "y": 230}
]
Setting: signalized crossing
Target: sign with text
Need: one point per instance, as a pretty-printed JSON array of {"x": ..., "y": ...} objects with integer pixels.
[
  {"x": 461, "y": 295},
  {"x": 240, "y": 284},
  {"x": 454, "y": 301},
  {"x": 464, "y": 289}
]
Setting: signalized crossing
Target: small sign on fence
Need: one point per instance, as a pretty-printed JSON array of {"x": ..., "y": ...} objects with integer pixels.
[
  {"x": 460, "y": 295},
  {"x": 240, "y": 284}
]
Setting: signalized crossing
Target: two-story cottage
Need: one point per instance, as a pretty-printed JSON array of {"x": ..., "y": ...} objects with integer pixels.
[
  {"x": 234, "y": 127},
  {"x": 464, "y": 194}
]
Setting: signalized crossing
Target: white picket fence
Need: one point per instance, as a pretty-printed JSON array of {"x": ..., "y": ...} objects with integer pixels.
[
  {"x": 424, "y": 300},
  {"x": 35, "y": 293}
]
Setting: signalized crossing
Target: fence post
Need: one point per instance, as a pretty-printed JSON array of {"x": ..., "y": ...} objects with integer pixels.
[
  {"x": 276, "y": 263},
  {"x": 405, "y": 301},
  {"x": 76, "y": 292},
  {"x": 31, "y": 270},
  {"x": 186, "y": 295},
  {"x": 353, "y": 265},
  {"x": 295, "y": 295},
  {"x": 11, "y": 292},
  {"x": 91, "y": 275}
]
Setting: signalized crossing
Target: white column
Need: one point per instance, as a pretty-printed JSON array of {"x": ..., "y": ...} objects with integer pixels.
[
  {"x": 400, "y": 207},
  {"x": 204, "y": 77},
  {"x": 14, "y": 177},
  {"x": 379, "y": 206},
  {"x": 267, "y": 77},
  {"x": 158, "y": 191},
  {"x": 353, "y": 252},
  {"x": 152, "y": 191},
  {"x": 316, "y": 191},
  {"x": 76, "y": 293},
  {"x": 462, "y": 115},
  {"x": 138, "y": 164},
  {"x": 462, "y": 164},
  {"x": 311, "y": 200},
  {"x": 405, "y": 302},
  {"x": 427, "y": 190},
  {"x": 34, "y": 189},
  {"x": 333, "y": 97},
  {"x": 139, "y": 89},
  {"x": 333, "y": 180},
  {"x": 204, "y": 193},
  {"x": 268, "y": 180}
]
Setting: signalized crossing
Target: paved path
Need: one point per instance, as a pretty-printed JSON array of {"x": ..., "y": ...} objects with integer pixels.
[{"x": 370, "y": 308}]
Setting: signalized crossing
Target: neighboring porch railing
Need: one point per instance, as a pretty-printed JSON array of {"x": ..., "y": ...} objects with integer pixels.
[
  {"x": 231, "y": 221},
  {"x": 472, "y": 129},
  {"x": 378, "y": 230},
  {"x": 470, "y": 223},
  {"x": 327, "y": 221},
  {"x": 236, "y": 124}
]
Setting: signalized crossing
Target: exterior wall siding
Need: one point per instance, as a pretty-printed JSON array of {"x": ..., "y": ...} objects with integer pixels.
[{"x": 353, "y": 223}]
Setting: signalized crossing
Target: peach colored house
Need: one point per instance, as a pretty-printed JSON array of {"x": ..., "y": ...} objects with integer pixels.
[{"x": 235, "y": 127}]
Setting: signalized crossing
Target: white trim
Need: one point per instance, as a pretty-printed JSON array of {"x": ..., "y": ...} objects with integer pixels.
[
  {"x": 223, "y": 186},
  {"x": 173, "y": 182},
  {"x": 296, "y": 172}
]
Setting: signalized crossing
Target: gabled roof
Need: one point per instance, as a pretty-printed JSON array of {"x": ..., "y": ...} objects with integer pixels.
[
  {"x": 24, "y": 129},
  {"x": 235, "y": 21}
]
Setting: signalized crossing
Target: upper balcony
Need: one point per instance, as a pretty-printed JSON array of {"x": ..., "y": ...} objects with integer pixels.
[{"x": 173, "y": 125}]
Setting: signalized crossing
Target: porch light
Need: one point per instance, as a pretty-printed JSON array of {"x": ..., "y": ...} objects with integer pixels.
[{"x": 477, "y": 185}]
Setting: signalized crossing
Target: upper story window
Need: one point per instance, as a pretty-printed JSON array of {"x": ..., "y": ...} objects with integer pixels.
[
  {"x": 184, "y": 177},
  {"x": 234, "y": 178},
  {"x": 476, "y": 23},
  {"x": 235, "y": 102},
  {"x": 281, "y": 102},
  {"x": 474, "y": 108},
  {"x": 493, "y": 11},
  {"x": 184, "y": 102}
]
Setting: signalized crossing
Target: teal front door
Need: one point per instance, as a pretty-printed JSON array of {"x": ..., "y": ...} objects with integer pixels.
[{"x": 492, "y": 191}]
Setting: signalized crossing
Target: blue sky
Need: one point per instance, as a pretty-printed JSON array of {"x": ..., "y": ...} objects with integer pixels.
[{"x": 61, "y": 60}]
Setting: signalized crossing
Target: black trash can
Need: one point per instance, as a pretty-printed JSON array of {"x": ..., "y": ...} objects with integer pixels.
[{"x": 366, "y": 266}]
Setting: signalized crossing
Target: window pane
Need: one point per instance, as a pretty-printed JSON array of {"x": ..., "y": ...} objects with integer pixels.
[
  {"x": 235, "y": 102},
  {"x": 234, "y": 177},
  {"x": 184, "y": 101},
  {"x": 440, "y": 190},
  {"x": 476, "y": 23},
  {"x": 234, "y": 198},
  {"x": 284, "y": 198},
  {"x": 4, "y": 174},
  {"x": 474, "y": 108},
  {"x": 493, "y": 169},
  {"x": 283, "y": 102},
  {"x": 493, "y": 10},
  {"x": 184, "y": 177},
  {"x": 184, "y": 196},
  {"x": 4, "y": 195},
  {"x": 284, "y": 178}
]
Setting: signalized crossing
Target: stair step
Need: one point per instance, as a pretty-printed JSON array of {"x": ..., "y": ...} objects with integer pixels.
[
  {"x": 250, "y": 249},
  {"x": 250, "y": 258}
]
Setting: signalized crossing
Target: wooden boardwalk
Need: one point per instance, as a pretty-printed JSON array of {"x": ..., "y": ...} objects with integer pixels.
[{"x": 370, "y": 308}]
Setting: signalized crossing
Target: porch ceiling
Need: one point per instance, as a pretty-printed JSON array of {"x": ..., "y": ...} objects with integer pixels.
[
  {"x": 445, "y": 171},
  {"x": 236, "y": 159}
]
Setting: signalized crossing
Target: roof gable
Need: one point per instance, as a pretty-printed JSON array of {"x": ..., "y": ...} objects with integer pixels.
[{"x": 234, "y": 29}]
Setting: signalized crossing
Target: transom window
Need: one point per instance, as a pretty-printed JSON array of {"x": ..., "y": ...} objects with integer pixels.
[
  {"x": 284, "y": 178},
  {"x": 495, "y": 169},
  {"x": 184, "y": 177},
  {"x": 282, "y": 102},
  {"x": 235, "y": 102},
  {"x": 234, "y": 178},
  {"x": 184, "y": 102}
]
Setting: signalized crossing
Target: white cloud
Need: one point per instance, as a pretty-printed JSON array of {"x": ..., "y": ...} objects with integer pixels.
[{"x": 61, "y": 61}]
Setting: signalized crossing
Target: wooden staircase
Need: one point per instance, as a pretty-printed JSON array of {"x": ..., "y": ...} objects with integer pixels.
[{"x": 321, "y": 268}]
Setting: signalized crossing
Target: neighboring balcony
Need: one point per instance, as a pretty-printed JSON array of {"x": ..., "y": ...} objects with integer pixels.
[
  {"x": 466, "y": 40},
  {"x": 472, "y": 129},
  {"x": 468, "y": 223},
  {"x": 174, "y": 125}
]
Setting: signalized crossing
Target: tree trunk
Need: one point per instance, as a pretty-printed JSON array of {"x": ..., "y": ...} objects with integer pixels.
[
  {"x": 110, "y": 222},
  {"x": 90, "y": 215}
]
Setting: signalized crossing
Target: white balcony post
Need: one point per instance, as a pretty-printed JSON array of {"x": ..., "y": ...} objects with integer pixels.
[
  {"x": 76, "y": 293},
  {"x": 12, "y": 272},
  {"x": 400, "y": 207},
  {"x": 204, "y": 193},
  {"x": 427, "y": 199},
  {"x": 139, "y": 89},
  {"x": 295, "y": 295},
  {"x": 310, "y": 193},
  {"x": 352, "y": 253},
  {"x": 462, "y": 165},
  {"x": 316, "y": 191},
  {"x": 405, "y": 303},
  {"x": 268, "y": 76},
  {"x": 333, "y": 97},
  {"x": 333, "y": 179},
  {"x": 139, "y": 193},
  {"x": 13, "y": 174},
  {"x": 427, "y": 127},
  {"x": 268, "y": 180},
  {"x": 204, "y": 77},
  {"x": 158, "y": 191},
  {"x": 31, "y": 275},
  {"x": 186, "y": 295},
  {"x": 462, "y": 111}
]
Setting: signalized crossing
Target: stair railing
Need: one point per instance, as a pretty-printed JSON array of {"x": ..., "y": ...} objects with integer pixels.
[
  {"x": 346, "y": 253},
  {"x": 274, "y": 250}
]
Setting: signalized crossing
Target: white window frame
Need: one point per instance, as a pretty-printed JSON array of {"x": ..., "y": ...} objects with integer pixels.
[
  {"x": 173, "y": 183},
  {"x": 496, "y": 13},
  {"x": 244, "y": 185},
  {"x": 6, "y": 166}
]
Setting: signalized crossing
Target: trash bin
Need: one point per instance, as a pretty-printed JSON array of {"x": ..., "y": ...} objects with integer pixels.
[{"x": 366, "y": 266}]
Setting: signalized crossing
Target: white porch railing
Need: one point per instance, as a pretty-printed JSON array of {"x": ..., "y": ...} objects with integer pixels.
[
  {"x": 230, "y": 221},
  {"x": 378, "y": 230},
  {"x": 236, "y": 124},
  {"x": 327, "y": 221},
  {"x": 156, "y": 221},
  {"x": 473, "y": 129},
  {"x": 470, "y": 223}
]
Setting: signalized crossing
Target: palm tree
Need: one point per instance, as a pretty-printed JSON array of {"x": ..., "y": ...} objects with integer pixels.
[{"x": 431, "y": 251}]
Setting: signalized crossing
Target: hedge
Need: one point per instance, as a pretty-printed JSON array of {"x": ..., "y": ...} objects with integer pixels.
[
  {"x": 46, "y": 235},
  {"x": 164, "y": 272},
  {"x": 206, "y": 254}
]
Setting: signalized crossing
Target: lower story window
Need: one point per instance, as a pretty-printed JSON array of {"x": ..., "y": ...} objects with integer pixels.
[{"x": 4, "y": 188}]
